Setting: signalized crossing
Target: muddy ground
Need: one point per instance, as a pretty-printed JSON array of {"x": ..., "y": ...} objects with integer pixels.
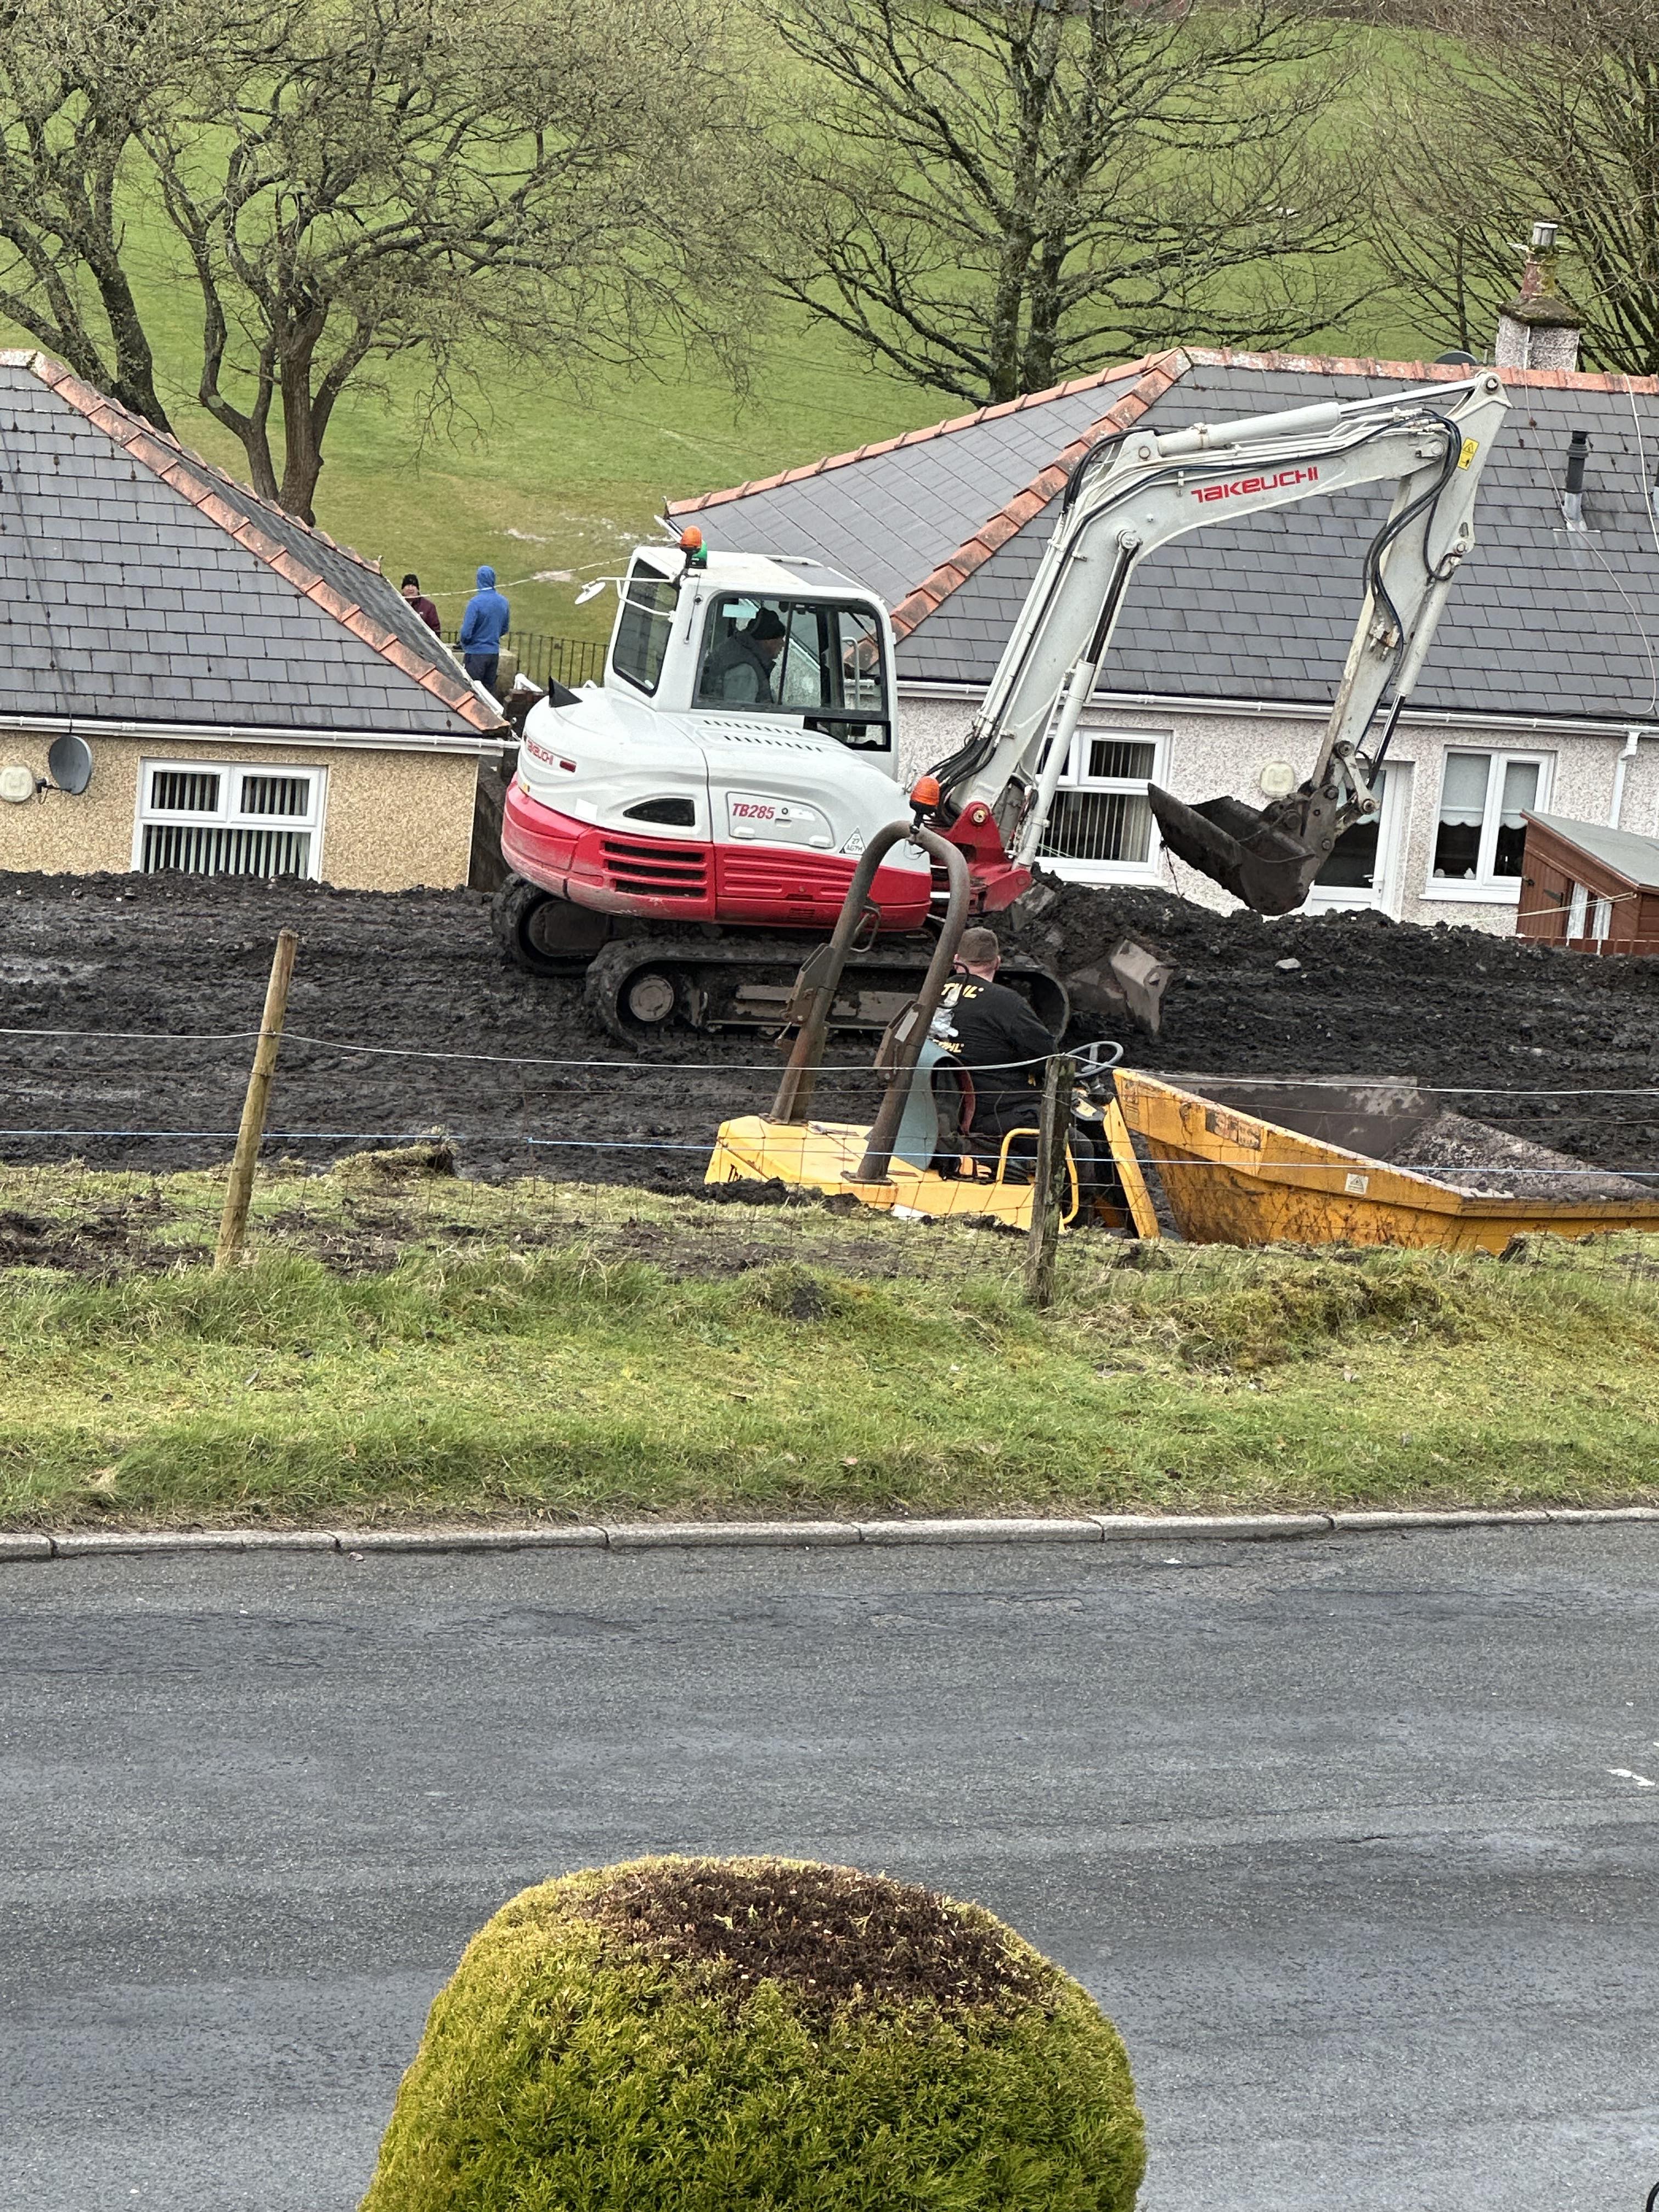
[{"x": 522, "y": 1078}]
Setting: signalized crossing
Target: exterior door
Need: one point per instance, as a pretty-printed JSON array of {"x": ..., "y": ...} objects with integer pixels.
[{"x": 1364, "y": 871}]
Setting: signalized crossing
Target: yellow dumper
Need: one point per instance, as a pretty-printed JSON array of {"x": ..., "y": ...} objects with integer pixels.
[{"x": 1295, "y": 1160}]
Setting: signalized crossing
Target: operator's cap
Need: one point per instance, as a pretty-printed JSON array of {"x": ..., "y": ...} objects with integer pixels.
[{"x": 766, "y": 625}]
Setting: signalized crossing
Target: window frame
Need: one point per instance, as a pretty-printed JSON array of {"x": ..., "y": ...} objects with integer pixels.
[
  {"x": 1483, "y": 888},
  {"x": 1074, "y": 778},
  {"x": 643, "y": 569},
  {"x": 811, "y": 718},
  {"x": 235, "y": 773}
]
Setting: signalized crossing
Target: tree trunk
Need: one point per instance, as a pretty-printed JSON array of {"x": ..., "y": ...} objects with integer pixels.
[
  {"x": 134, "y": 381},
  {"x": 302, "y": 454}
]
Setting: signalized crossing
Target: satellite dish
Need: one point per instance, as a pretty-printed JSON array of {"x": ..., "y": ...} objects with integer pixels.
[
  {"x": 69, "y": 764},
  {"x": 1456, "y": 359}
]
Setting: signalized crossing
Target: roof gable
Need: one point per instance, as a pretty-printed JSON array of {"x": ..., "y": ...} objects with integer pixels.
[
  {"x": 141, "y": 584},
  {"x": 1542, "y": 621},
  {"x": 906, "y": 498}
]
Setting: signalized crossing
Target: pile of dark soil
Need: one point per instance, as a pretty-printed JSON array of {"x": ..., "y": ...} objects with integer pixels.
[
  {"x": 1541, "y": 1043},
  {"x": 1473, "y": 1155},
  {"x": 835, "y": 1937},
  {"x": 405, "y": 1020},
  {"x": 110, "y": 1241}
]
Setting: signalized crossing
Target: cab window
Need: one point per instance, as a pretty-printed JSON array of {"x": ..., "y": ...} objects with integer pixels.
[
  {"x": 798, "y": 657},
  {"x": 643, "y": 626}
]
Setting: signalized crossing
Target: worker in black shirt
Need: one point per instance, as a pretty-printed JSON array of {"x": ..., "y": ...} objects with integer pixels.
[{"x": 991, "y": 1032}]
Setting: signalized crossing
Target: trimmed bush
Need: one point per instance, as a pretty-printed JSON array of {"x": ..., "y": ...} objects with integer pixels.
[{"x": 697, "y": 2035}]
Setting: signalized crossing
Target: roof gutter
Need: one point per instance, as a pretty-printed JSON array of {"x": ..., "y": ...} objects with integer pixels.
[
  {"x": 1432, "y": 718},
  {"x": 475, "y": 745}
]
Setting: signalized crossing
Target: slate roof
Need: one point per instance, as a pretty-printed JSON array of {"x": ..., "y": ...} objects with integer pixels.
[
  {"x": 140, "y": 584},
  {"x": 1542, "y": 621},
  {"x": 1634, "y": 857}
]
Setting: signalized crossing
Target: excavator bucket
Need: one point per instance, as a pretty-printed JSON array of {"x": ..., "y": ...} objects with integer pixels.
[
  {"x": 1268, "y": 857},
  {"x": 1130, "y": 982}
]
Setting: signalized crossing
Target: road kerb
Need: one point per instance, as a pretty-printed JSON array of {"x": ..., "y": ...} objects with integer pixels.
[
  {"x": 1362, "y": 1524},
  {"x": 1602, "y": 1512},
  {"x": 666, "y": 1535},
  {"x": 25, "y": 1546},
  {"x": 94, "y": 1543},
  {"x": 1210, "y": 1528},
  {"x": 701, "y": 1535},
  {"x": 1029, "y": 1530},
  {"x": 358, "y": 1542}
]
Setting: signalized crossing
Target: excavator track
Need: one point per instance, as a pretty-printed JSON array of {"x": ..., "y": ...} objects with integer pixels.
[
  {"x": 641, "y": 987},
  {"x": 641, "y": 982}
]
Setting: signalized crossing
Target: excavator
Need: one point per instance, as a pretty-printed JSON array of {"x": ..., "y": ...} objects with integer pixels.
[{"x": 678, "y": 834}]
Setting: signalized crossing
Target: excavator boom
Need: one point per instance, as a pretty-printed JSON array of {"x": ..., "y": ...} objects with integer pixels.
[{"x": 1138, "y": 490}]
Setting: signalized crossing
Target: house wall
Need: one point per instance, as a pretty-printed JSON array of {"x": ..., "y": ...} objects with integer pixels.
[
  {"x": 393, "y": 820},
  {"x": 1207, "y": 754}
]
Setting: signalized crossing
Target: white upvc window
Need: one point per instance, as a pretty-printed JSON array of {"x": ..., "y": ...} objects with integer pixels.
[
  {"x": 200, "y": 817},
  {"x": 1480, "y": 828},
  {"x": 1100, "y": 828}
]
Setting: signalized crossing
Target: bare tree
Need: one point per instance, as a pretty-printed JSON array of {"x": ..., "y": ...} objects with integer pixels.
[
  {"x": 475, "y": 183},
  {"x": 77, "y": 80},
  {"x": 991, "y": 195},
  {"x": 1543, "y": 108}
]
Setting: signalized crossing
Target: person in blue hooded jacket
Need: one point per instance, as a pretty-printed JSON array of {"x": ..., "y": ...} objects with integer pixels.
[{"x": 483, "y": 625}]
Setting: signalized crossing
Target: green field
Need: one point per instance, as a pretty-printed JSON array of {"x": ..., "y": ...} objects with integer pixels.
[
  {"x": 551, "y": 480},
  {"x": 553, "y": 476},
  {"x": 400, "y": 1347}
]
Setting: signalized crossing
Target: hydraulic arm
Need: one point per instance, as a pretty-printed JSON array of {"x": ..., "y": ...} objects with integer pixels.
[{"x": 1138, "y": 490}]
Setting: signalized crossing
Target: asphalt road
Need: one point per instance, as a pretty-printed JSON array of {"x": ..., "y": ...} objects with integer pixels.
[{"x": 1357, "y": 1840}]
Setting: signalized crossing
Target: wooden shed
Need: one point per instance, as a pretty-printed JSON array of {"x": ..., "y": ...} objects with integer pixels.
[{"x": 1589, "y": 887}]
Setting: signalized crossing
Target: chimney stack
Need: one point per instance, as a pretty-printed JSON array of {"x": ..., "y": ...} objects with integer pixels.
[{"x": 1539, "y": 329}]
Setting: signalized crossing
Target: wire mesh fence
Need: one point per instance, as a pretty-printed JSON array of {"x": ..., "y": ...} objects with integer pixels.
[{"x": 114, "y": 1147}]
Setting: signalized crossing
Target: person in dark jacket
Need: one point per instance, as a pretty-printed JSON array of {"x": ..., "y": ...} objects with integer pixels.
[
  {"x": 739, "y": 669},
  {"x": 483, "y": 625},
  {"x": 421, "y": 605},
  {"x": 991, "y": 1032}
]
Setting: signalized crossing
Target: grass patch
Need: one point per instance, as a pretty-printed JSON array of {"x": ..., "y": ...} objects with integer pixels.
[{"x": 453, "y": 1350}]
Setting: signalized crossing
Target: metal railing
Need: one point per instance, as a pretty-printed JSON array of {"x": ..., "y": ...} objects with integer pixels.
[{"x": 567, "y": 660}]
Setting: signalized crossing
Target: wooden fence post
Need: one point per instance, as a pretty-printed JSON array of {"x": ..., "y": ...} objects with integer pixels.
[
  {"x": 1048, "y": 1194},
  {"x": 233, "y": 1221}
]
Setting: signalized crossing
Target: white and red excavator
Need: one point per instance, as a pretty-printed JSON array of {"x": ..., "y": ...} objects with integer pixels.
[{"x": 680, "y": 833}]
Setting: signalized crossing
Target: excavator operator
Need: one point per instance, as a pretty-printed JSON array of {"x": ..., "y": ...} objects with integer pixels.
[
  {"x": 992, "y": 1033},
  {"x": 739, "y": 669}
]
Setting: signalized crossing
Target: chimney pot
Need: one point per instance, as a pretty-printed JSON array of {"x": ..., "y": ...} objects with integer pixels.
[{"x": 1538, "y": 328}]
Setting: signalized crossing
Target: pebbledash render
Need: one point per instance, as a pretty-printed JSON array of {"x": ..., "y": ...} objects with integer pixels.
[
  {"x": 1541, "y": 693},
  {"x": 258, "y": 700}
]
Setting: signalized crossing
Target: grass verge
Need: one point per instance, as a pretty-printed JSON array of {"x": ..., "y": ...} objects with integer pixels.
[{"x": 482, "y": 1353}]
